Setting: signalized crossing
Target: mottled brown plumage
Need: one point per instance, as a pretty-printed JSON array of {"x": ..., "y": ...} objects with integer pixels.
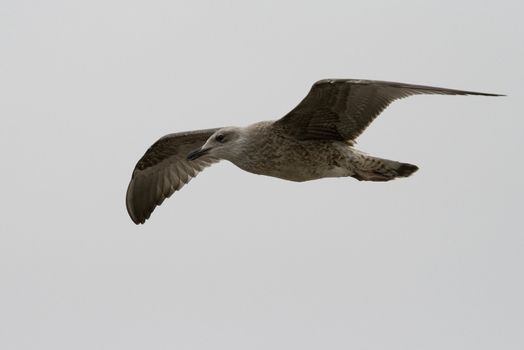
[
  {"x": 341, "y": 109},
  {"x": 312, "y": 141},
  {"x": 164, "y": 169}
]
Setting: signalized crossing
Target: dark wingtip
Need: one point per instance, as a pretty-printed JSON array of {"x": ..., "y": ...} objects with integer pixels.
[
  {"x": 131, "y": 209},
  {"x": 138, "y": 220},
  {"x": 488, "y": 94}
]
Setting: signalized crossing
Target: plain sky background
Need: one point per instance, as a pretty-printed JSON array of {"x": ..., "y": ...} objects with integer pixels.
[{"x": 239, "y": 261}]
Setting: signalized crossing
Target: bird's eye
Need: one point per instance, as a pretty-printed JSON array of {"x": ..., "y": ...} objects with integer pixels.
[{"x": 220, "y": 138}]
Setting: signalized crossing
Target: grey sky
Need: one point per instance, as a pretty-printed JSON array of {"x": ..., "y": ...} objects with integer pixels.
[{"x": 238, "y": 261}]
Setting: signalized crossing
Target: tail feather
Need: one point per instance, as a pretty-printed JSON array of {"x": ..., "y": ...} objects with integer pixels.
[
  {"x": 370, "y": 168},
  {"x": 406, "y": 169}
]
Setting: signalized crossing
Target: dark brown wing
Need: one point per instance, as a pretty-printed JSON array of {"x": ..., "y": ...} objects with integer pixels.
[
  {"x": 164, "y": 169},
  {"x": 341, "y": 109}
]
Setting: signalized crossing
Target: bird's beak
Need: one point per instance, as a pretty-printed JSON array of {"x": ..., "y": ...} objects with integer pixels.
[{"x": 198, "y": 153}]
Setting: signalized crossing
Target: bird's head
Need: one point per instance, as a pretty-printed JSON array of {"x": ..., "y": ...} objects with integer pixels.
[{"x": 225, "y": 143}]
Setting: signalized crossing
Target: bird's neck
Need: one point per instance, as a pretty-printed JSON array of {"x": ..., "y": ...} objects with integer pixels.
[
  {"x": 241, "y": 145},
  {"x": 253, "y": 141}
]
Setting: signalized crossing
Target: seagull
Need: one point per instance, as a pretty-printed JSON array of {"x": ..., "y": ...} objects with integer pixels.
[{"x": 313, "y": 141}]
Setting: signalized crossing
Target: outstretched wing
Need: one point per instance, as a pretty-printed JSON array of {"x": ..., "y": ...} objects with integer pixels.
[
  {"x": 341, "y": 109},
  {"x": 164, "y": 169}
]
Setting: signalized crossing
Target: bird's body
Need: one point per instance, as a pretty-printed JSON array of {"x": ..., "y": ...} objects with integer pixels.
[
  {"x": 313, "y": 141},
  {"x": 265, "y": 149},
  {"x": 268, "y": 151}
]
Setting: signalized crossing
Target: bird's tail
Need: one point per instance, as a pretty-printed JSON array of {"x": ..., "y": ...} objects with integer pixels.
[{"x": 369, "y": 168}]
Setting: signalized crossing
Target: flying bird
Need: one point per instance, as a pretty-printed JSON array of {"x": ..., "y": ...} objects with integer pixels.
[{"x": 313, "y": 141}]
